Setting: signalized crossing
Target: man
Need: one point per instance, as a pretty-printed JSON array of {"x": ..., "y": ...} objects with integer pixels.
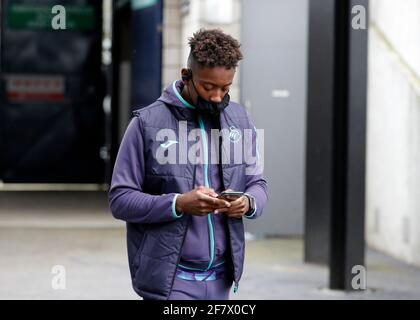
[{"x": 183, "y": 241}]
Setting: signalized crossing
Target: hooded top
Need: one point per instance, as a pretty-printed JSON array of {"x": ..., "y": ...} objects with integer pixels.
[{"x": 143, "y": 193}]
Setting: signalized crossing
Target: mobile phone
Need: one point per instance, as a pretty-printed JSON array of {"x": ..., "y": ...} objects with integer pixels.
[{"x": 230, "y": 194}]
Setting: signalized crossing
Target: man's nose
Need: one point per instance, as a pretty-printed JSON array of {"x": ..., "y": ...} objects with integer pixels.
[{"x": 217, "y": 98}]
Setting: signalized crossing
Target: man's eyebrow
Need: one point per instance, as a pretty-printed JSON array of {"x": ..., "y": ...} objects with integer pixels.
[{"x": 214, "y": 84}]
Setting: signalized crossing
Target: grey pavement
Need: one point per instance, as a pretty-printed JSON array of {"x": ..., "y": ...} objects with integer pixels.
[{"x": 39, "y": 230}]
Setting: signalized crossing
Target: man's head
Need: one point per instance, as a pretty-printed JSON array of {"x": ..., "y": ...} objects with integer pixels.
[{"x": 212, "y": 63}]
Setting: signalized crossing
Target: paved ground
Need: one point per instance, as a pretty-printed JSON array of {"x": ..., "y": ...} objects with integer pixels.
[{"x": 39, "y": 231}]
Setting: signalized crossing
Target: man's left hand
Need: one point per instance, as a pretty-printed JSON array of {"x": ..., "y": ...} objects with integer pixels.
[{"x": 238, "y": 207}]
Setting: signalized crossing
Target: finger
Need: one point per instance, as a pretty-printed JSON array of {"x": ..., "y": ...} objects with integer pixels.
[
  {"x": 221, "y": 210},
  {"x": 205, "y": 197},
  {"x": 237, "y": 211},
  {"x": 238, "y": 201},
  {"x": 209, "y": 191},
  {"x": 217, "y": 203},
  {"x": 231, "y": 199},
  {"x": 223, "y": 203},
  {"x": 205, "y": 206},
  {"x": 236, "y": 207}
]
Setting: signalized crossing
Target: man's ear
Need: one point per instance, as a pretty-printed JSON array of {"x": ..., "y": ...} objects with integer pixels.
[{"x": 186, "y": 74}]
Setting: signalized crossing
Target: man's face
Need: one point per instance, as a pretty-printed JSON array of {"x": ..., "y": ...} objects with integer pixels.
[{"x": 212, "y": 84}]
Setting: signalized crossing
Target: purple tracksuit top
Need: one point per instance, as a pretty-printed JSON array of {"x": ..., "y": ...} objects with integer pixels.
[{"x": 198, "y": 247}]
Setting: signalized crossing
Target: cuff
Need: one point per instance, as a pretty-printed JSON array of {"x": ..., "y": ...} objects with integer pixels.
[
  {"x": 252, "y": 212},
  {"x": 174, "y": 213}
]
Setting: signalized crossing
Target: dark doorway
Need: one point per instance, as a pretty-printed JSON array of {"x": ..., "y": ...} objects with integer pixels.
[{"x": 51, "y": 94}]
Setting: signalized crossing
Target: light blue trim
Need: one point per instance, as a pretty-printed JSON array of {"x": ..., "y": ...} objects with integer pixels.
[
  {"x": 206, "y": 156},
  {"x": 193, "y": 269},
  {"x": 197, "y": 269},
  {"x": 174, "y": 214},
  {"x": 206, "y": 181},
  {"x": 253, "y": 212},
  {"x": 206, "y": 168},
  {"x": 236, "y": 287},
  {"x": 186, "y": 275},
  {"x": 184, "y": 102},
  {"x": 211, "y": 230},
  {"x": 218, "y": 264}
]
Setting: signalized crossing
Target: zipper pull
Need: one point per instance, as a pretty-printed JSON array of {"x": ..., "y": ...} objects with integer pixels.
[{"x": 236, "y": 287}]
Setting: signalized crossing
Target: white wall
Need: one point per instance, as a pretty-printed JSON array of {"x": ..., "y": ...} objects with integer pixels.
[
  {"x": 171, "y": 38},
  {"x": 393, "y": 142},
  {"x": 177, "y": 29}
]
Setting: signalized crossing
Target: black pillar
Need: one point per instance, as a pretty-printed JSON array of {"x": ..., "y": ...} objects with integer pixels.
[
  {"x": 335, "y": 176},
  {"x": 319, "y": 130},
  {"x": 121, "y": 52}
]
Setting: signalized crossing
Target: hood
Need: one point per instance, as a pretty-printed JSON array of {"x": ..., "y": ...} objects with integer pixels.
[
  {"x": 181, "y": 108},
  {"x": 171, "y": 96}
]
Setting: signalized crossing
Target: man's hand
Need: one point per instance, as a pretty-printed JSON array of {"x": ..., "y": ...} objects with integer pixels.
[
  {"x": 201, "y": 201},
  {"x": 239, "y": 206}
]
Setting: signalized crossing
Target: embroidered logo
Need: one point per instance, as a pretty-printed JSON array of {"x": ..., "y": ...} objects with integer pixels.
[{"x": 234, "y": 134}]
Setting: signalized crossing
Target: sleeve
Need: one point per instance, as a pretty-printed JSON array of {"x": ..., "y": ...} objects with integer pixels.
[
  {"x": 126, "y": 199},
  {"x": 256, "y": 185}
]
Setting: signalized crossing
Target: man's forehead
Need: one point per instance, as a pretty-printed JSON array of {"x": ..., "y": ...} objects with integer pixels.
[{"x": 217, "y": 75}]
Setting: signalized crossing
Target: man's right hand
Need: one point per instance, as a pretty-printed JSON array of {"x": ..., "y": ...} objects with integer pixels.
[{"x": 200, "y": 201}]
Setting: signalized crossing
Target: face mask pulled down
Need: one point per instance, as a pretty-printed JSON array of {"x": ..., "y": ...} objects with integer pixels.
[{"x": 210, "y": 108}]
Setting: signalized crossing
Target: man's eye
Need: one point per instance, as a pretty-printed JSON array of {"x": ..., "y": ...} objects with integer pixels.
[{"x": 208, "y": 88}]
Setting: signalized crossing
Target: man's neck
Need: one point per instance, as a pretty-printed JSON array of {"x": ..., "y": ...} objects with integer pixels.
[{"x": 185, "y": 94}]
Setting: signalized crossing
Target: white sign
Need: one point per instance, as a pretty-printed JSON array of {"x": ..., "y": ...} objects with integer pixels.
[{"x": 219, "y": 11}]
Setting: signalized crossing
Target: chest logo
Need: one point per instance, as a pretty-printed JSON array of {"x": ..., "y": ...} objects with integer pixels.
[{"x": 234, "y": 134}]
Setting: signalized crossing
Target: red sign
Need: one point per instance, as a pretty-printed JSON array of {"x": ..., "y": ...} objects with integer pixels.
[{"x": 34, "y": 88}]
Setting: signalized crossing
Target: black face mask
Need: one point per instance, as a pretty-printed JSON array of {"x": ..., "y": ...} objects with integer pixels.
[{"x": 210, "y": 108}]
